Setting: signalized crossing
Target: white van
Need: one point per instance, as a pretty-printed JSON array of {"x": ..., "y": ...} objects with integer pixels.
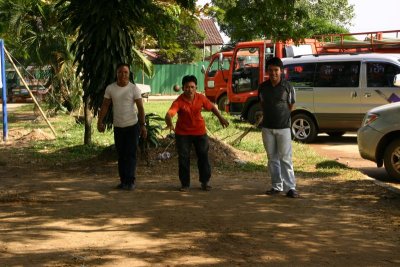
[{"x": 333, "y": 92}]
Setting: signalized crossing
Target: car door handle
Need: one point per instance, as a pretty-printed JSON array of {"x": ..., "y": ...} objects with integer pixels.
[
  {"x": 366, "y": 95},
  {"x": 353, "y": 94}
]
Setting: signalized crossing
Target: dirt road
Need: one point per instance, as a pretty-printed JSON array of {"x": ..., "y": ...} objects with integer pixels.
[
  {"x": 69, "y": 215},
  {"x": 345, "y": 150},
  {"x": 56, "y": 214}
]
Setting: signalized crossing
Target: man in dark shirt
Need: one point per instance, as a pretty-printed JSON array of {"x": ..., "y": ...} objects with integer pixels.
[{"x": 277, "y": 98}]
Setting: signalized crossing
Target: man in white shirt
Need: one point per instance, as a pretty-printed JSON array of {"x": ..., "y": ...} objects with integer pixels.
[{"x": 128, "y": 124}]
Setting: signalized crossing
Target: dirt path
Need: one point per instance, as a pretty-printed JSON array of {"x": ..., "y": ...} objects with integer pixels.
[
  {"x": 345, "y": 150},
  {"x": 56, "y": 215}
]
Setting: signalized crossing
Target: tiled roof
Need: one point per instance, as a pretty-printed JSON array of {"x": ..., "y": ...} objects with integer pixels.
[{"x": 213, "y": 37}]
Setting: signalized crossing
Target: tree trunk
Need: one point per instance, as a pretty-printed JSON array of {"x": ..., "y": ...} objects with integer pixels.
[{"x": 88, "y": 122}]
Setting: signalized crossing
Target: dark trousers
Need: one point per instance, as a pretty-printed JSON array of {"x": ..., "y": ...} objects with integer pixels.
[
  {"x": 126, "y": 142},
  {"x": 183, "y": 145}
]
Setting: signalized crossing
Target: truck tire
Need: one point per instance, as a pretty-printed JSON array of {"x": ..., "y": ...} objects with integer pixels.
[
  {"x": 222, "y": 102},
  {"x": 254, "y": 113},
  {"x": 303, "y": 128},
  {"x": 391, "y": 159}
]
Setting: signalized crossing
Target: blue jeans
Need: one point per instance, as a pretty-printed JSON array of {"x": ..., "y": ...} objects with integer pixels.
[
  {"x": 184, "y": 145},
  {"x": 278, "y": 145},
  {"x": 126, "y": 142}
]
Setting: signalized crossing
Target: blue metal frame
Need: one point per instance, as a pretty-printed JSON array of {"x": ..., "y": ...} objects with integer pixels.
[{"x": 4, "y": 91}]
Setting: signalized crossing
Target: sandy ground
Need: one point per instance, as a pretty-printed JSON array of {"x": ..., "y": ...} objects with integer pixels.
[{"x": 52, "y": 214}]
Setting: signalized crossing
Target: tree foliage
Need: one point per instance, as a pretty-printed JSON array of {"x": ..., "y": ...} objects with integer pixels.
[
  {"x": 105, "y": 35},
  {"x": 182, "y": 49},
  {"x": 280, "y": 19},
  {"x": 34, "y": 36}
]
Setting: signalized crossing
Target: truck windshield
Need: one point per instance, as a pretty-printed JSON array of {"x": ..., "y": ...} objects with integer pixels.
[{"x": 246, "y": 70}]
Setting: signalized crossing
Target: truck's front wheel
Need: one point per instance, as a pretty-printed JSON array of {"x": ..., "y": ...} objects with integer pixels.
[{"x": 222, "y": 102}]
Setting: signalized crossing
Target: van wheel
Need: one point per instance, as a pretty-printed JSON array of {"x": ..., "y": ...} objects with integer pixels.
[
  {"x": 303, "y": 128},
  {"x": 391, "y": 159},
  {"x": 336, "y": 134},
  {"x": 254, "y": 113},
  {"x": 222, "y": 102}
]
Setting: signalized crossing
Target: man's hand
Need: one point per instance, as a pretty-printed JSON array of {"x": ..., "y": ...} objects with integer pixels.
[
  {"x": 101, "y": 127},
  {"x": 171, "y": 128},
  {"x": 223, "y": 122},
  {"x": 143, "y": 131}
]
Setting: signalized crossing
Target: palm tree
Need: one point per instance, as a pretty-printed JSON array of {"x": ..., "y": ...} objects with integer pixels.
[{"x": 105, "y": 37}]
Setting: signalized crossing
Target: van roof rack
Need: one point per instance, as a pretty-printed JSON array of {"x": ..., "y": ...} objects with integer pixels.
[{"x": 326, "y": 54}]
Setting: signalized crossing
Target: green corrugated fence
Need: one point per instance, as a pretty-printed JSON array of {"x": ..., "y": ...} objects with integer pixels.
[{"x": 166, "y": 76}]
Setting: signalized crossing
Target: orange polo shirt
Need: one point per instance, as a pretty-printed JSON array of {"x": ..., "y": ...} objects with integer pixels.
[{"x": 190, "y": 121}]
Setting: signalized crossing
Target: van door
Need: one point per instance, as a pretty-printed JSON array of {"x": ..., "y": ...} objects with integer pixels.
[
  {"x": 337, "y": 95},
  {"x": 301, "y": 77},
  {"x": 378, "y": 88}
]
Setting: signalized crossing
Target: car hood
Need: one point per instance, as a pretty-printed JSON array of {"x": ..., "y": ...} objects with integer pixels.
[
  {"x": 392, "y": 107},
  {"x": 389, "y": 117}
]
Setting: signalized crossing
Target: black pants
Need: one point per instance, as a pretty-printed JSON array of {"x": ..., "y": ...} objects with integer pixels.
[
  {"x": 126, "y": 142},
  {"x": 184, "y": 144}
]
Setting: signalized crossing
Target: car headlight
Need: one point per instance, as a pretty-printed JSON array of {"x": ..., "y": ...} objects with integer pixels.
[{"x": 369, "y": 118}]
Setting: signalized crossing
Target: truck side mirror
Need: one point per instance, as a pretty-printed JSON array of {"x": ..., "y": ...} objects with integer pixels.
[
  {"x": 203, "y": 69},
  {"x": 396, "y": 81}
]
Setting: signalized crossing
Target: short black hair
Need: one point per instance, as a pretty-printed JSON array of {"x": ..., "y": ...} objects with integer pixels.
[
  {"x": 189, "y": 78},
  {"x": 123, "y": 65},
  {"x": 275, "y": 61}
]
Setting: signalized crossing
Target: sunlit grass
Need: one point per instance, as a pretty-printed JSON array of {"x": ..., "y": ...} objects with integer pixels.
[{"x": 69, "y": 143}]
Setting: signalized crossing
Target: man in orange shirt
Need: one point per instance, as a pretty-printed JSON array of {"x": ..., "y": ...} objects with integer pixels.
[{"x": 191, "y": 129}]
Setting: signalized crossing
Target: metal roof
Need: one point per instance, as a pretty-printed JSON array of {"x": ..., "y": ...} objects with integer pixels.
[{"x": 212, "y": 35}]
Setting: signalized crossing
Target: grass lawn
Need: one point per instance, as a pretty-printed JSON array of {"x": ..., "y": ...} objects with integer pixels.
[{"x": 68, "y": 146}]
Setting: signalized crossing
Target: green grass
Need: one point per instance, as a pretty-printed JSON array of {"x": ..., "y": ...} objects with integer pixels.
[{"x": 68, "y": 147}]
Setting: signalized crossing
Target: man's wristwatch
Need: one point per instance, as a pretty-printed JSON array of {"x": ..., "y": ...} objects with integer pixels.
[{"x": 142, "y": 124}]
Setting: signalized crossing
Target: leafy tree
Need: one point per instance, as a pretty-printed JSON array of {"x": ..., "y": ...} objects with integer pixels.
[
  {"x": 105, "y": 37},
  {"x": 34, "y": 35},
  {"x": 280, "y": 19},
  {"x": 182, "y": 50}
]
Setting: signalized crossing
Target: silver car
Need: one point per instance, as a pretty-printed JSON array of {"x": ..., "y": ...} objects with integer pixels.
[{"x": 379, "y": 137}]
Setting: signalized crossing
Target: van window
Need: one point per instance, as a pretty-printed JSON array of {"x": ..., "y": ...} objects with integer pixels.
[
  {"x": 300, "y": 75},
  {"x": 337, "y": 74},
  {"x": 381, "y": 74}
]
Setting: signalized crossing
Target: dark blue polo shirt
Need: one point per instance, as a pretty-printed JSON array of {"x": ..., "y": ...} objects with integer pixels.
[{"x": 276, "y": 112}]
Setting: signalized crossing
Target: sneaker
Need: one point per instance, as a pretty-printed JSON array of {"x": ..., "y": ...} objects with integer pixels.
[
  {"x": 205, "y": 187},
  {"x": 273, "y": 191},
  {"x": 120, "y": 186},
  {"x": 292, "y": 193},
  {"x": 129, "y": 187},
  {"x": 184, "y": 189}
]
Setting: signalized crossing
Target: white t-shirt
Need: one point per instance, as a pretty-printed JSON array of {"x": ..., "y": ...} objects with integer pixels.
[{"x": 123, "y": 100}]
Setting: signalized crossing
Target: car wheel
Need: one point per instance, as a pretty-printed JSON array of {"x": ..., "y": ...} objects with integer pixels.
[
  {"x": 336, "y": 134},
  {"x": 254, "y": 113},
  {"x": 391, "y": 159},
  {"x": 303, "y": 128},
  {"x": 222, "y": 102}
]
